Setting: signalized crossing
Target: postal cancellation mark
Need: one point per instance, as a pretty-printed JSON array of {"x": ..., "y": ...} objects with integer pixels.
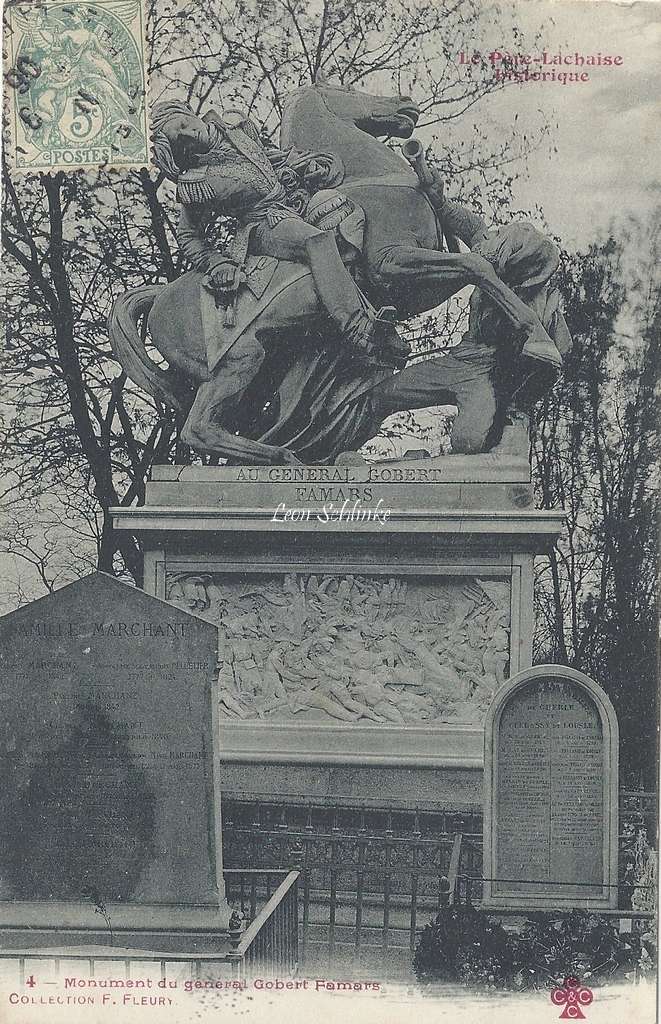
[{"x": 75, "y": 83}]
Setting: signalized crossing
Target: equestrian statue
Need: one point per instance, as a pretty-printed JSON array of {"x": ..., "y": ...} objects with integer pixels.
[{"x": 282, "y": 345}]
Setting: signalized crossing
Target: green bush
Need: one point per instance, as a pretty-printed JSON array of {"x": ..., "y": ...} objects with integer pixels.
[{"x": 464, "y": 945}]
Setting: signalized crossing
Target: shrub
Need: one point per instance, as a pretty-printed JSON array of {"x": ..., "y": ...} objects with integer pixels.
[
  {"x": 587, "y": 946},
  {"x": 464, "y": 945}
]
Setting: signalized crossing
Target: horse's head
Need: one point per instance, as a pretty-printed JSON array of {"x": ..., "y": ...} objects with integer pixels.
[
  {"x": 377, "y": 115},
  {"x": 329, "y": 118}
]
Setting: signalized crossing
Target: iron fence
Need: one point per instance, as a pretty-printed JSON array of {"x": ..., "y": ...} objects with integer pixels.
[
  {"x": 639, "y": 810},
  {"x": 364, "y": 892},
  {"x": 370, "y": 878},
  {"x": 269, "y": 946}
]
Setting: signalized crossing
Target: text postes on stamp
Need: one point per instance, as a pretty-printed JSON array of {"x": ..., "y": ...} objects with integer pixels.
[{"x": 76, "y": 84}]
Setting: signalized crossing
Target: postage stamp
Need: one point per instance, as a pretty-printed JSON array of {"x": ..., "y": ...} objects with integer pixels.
[{"x": 76, "y": 84}]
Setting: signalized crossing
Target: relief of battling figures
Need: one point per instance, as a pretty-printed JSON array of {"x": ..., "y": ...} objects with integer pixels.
[{"x": 371, "y": 649}]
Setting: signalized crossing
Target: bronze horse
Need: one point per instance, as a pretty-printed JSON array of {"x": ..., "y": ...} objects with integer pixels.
[{"x": 278, "y": 391}]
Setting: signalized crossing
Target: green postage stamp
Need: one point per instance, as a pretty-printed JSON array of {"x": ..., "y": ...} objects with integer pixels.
[{"x": 75, "y": 82}]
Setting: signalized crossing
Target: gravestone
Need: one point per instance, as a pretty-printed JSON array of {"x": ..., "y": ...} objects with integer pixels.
[
  {"x": 109, "y": 801},
  {"x": 551, "y": 770}
]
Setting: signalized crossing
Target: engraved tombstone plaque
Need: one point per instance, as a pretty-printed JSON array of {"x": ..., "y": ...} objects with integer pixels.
[
  {"x": 550, "y": 823},
  {"x": 108, "y": 796}
]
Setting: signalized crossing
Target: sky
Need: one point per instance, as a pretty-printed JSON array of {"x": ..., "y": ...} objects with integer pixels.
[{"x": 608, "y": 139}]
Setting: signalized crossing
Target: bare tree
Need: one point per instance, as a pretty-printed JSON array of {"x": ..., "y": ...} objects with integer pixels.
[{"x": 595, "y": 449}]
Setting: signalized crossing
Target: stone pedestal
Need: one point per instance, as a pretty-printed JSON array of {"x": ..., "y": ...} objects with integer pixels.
[{"x": 367, "y": 614}]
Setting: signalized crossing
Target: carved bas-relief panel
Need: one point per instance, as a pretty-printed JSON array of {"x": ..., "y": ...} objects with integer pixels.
[{"x": 332, "y": 649}]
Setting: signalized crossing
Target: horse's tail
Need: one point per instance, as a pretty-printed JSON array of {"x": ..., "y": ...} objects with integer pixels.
[{"x": 129, "y": 348}]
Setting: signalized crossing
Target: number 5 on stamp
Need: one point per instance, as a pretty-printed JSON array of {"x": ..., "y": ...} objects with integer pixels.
[{"x": 75, "y": 79}]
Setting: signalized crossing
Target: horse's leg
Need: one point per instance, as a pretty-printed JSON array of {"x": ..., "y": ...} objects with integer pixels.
[
  {"x": 419, "y": 279},
  {"x": 215, "y": 397}
]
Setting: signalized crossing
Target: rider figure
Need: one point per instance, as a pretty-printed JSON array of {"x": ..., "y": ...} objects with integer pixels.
[{"x": 225, "y": 169}]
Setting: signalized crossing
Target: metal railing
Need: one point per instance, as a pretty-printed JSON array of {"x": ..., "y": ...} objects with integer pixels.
[
  {"x": 268, "y": 944},
  {"x": 364, "y": 894},
  {"x": 370, "y": 878},
  {"x": 249, "y": 889},
  {"x": 470, "y": 883},
  {"x": 639, "y": 809}
]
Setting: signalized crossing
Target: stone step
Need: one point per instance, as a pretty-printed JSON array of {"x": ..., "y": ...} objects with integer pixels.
[
  {"x": 373, "y": 964},
  {"x": 370, "y": 936},
  {"x": 372, "y": 917}
]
